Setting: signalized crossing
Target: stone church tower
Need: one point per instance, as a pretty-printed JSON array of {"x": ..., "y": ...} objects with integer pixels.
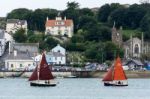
[{"x": 117, "y": 36}]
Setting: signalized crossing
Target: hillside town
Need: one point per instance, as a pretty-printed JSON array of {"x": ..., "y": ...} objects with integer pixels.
[
  {"x": 69, "y": 44},
  {"x": 74, "y": 49},
  {"x": 20, "y": 56}
]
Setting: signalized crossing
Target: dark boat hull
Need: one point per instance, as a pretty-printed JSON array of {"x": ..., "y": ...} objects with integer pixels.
[
  {"x": 108, "y": 84},
  {"x": 42, "y": 85}
]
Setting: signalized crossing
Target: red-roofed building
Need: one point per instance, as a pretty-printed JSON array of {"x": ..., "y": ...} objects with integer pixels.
[{"x": 59, "y": 26}]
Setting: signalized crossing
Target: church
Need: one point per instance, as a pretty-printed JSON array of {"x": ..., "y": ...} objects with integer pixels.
[{"x": 134, "y": 47}]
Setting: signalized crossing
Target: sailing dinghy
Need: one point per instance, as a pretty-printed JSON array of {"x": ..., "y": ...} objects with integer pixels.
[
  {"x": 42, "y": 75},
  {"x": 116, "y": 75}
]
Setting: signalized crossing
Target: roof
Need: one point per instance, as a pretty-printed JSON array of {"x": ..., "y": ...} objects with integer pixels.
[
  {"x": 51, "y": 23},
  {"x": 23, "y": 47},
  {"x": 56, "y": 54},
  {"x": 58, "y": 46},
  {"x": 17, "y": 21},
  {"x": 137, "y": 62},
  {"x": 134, "y": 39},
  {"x": 19, "y": 56},
  {"x": 2, "y": 34}
]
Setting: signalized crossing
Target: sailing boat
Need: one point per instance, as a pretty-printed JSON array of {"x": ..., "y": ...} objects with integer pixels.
[
  {"x": 116, "y": 75},
  {"x": 42, "y": 75}
]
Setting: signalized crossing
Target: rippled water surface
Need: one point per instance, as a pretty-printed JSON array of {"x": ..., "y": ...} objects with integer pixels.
[{"x": 78, "y": 88}]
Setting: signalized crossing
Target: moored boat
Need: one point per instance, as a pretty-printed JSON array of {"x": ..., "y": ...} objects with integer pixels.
[{"x": 115, "y": 75}]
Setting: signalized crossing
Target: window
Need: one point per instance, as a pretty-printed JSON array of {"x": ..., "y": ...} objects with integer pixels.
[
  {"x": 29, "y": 64},
  {"x": 136, "y": 49},
  {"x": 61, "y": 58},
  {"x": 55, "y": 58},
  {"x": 20, "y": 65},
  {"x": 59, "y": 62},
  {"x": 59, "y": 51},
  {"x": 49, "y": 58},
  {"x": 12, "y": 65},
  {"x": 48, "y": 31},
  {"x": 59, "y": 32}
]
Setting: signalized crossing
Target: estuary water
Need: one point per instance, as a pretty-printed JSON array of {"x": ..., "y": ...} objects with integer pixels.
[{"x": 76, "y": 88}]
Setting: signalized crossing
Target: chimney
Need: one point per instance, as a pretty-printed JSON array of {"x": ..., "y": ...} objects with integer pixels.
[
  {"x": 15, "y": 53},
  {"x": 65, "y": 18},
  {"x": 47, "y": 18}
]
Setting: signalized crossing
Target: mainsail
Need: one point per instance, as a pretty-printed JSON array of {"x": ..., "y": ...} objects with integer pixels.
[
  {"x": 43, "y": 70},
  {"x": 116, "y": 72}
]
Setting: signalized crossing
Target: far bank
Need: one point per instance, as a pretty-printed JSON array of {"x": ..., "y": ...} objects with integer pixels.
[{"x": 80, "y": 74}]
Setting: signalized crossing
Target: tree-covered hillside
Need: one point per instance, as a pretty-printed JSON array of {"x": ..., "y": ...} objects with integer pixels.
[{"x": 92, "y": 30}]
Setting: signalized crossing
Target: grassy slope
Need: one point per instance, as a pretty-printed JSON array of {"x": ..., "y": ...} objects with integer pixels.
[{"x": 127, "y": 33}]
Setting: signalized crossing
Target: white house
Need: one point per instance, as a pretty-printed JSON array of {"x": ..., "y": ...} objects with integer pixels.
[
  {"x": 2, "y": 42},
  {"x": 21, "y": 56},
  {"x": 59, "y": 26},
  {"x": 18, "y": 61},
  {"x": 13, "y": 25},
  {"x": 56, "y": 56},
  {"x": 59, "y": 49}
]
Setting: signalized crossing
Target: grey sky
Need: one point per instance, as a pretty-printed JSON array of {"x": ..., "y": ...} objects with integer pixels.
[{"x": 8, "y": 5}]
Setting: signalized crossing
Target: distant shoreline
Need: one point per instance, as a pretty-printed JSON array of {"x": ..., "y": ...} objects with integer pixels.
[
  {"x": 91, "y": 74},
  {"x": 129, "y": 74}
]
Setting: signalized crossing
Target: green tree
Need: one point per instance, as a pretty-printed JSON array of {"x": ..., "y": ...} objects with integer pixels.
[
  {"x": 86, "y": 12},
  {"x": 86, "y": 21},
  {"x": 118, "y": 16},
  {"x": 72, "y": 5},
  {"x": 36, "y": 38},
  {"x": 104, "y": 12},
  {"x": 105, "y": 33},
  {"x": 112, "y": 51},
  {"x": 51, "y": 42},
  {"x": 145, "y": 25},
  {"x": 20, "y": 13},
  {"x": 72, "y": 12},
  {"x": 95, "y": 52},
  {"x": 20, "y": 36},
  {"x": 133, "y": 16},
  {"x": 38, "y": 18}
]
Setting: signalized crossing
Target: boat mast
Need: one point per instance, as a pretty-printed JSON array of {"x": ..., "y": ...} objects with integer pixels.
[{"x": 38, "y": 69}]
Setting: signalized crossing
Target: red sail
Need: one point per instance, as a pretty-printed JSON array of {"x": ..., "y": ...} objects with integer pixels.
[
  {"x": 109, "y": 75},
  {"x": 44, "y": 71},
  {"x": 118, "y": 70},
  {"x": 34, "y": 75}
]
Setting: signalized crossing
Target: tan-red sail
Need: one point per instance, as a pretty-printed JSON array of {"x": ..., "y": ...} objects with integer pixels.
[
  {"x": 109, "y": 75},
  {"x": 44, "y": 71},
  {"x": 118, "y": 70},
  {"x": 34, "y": 75}
]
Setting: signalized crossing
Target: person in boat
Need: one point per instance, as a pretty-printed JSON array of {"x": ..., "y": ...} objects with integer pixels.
[{"x": 119, "y": 82}]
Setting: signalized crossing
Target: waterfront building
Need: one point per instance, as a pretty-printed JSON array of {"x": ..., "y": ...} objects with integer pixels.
[
  {"x": 21, "y": 55},
  {"x": 134, "y": 64},
  {"x": 13, "y": 25},
  {"x": 31, "y": 48},
  {"x": 18, "y": 61},
  {"x": 2, "y": 42},
  {"x": 56, "y": 56},
  {"x": 59, "y": 26}
]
